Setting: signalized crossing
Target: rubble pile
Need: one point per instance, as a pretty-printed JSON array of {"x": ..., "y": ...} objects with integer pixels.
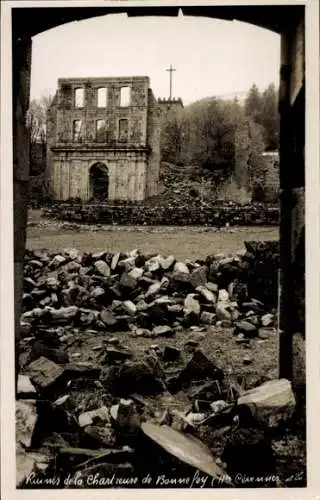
[
  {"x": 172, "y": 212},
  {"x": 151, "y": 295},
  {"x": 120, "y": 415}
]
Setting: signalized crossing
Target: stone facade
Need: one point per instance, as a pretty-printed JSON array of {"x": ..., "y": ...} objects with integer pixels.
[{"x": 104, "y": 139}]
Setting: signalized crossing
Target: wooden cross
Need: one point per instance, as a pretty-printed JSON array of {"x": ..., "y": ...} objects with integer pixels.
[{"x": 171, "y": 69}]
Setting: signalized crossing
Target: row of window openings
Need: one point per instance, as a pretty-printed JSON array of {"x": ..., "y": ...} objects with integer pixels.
[
  {"x": 102, "y": 97},
  {"x": 123, "y": 130}
]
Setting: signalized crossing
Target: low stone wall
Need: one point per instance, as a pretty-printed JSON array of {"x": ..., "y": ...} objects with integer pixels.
[{"x": 170, "y": 214}]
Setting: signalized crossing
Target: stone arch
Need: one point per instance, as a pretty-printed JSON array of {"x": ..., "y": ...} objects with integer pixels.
[{"x": 99, "y": 181}]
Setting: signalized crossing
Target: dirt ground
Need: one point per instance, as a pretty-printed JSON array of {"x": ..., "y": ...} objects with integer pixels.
[{"x": 184, "y": 243}]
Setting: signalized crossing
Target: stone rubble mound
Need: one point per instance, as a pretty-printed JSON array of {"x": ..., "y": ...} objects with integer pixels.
[
  {"x": 151, "y": 295},
  {"x": 124, "y": 416}
]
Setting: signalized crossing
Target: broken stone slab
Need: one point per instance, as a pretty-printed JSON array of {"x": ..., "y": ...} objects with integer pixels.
[
  {"x": 267, "y": 320},
  {"x": 206, "y": 294},
  {"x": 153, "y": 289},
  {"x": 57, "y": 261},
  {"x": 191, "y": 306},
  {"x": 213, "y": 287},
  {"x": 187, "y": 449},
  {"x": 126, "y": 418},
  {"x": 109, "y": 320},
  {"x": 200, "y": 368},
  {"x": 82, "y": 369},
  {"x": 180, "y": 268},
  {"x": 113, "y": 354},
  {"x": 167, "y": 263},
  {"x": 114, "y": 261},
  {"x": 127, "y": 281},
  {"x": 247, "y": 360},
  {"x": 171, "y": 353},
  {"x": 127, "y": 264},
  {"x": 26, "y": 419},
  {"x": 64, "y": 313},
  {"x": 222, "y": 312},
  {"x": 96, "y": 436},
  {"x": 210, "y": 391},
  {"x": 25, "y": 329},
  {"x": 44, "y": 373},
  {"x": 152, "y": 265},
  {"x": 162, "y": 331},
  {"x": 93, "y": 416},
  {"x": 135, "y": 377},
  {"x": 73, "y": 267},
  {"x": 35, "y": 263},
  {"x": 87, "y": 316},
  {"x": 72, "y": 253},
  {"x": 219, "y": 405},
  {"x": 242, "y": 339},
  {"x": 103, "y": 268},
  {"x": 223, "y": 295},
  {"x": 129, "y": 307},
  {"x": 52, "y": 284},
  {"x": 208, "y": 318},
  {"x": 247, "y": 328},
  {"x": 198, "y": 277},
  {"x": 29, "y": 463},
  {"x": 96, "y": 292},
  {"x": 136, "y": 272},
  {"x": 25, "y": 387},
  {"x": 272, "y": 403},
  {"x": 99, "y": 255}
]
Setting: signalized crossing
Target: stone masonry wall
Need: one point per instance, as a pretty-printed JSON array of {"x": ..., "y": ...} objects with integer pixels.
[
  {"x": 136, "y": 112},
  {"x": 153, "y": 133},
  {"x": 193, "y": 214},
  {"x": 126, "y": 171},
  {"x": 132, "y": 165}
]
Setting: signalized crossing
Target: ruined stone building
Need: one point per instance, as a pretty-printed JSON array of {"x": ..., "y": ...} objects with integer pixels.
[{"x": 104, "y": 139}]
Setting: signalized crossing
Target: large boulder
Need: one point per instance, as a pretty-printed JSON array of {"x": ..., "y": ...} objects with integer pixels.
[{"x": 272, "y": 403}]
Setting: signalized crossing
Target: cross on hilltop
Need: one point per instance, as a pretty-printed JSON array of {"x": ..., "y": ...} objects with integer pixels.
[{"x": 171, "y": 69}]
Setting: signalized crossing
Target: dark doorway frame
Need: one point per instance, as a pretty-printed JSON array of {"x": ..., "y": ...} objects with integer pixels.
[
  {"x": 288, "y": 21},
  {"x": 99, "y": 181}
]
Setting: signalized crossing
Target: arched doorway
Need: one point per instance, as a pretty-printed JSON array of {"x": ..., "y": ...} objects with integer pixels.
[{"x": 99, "y": 181}]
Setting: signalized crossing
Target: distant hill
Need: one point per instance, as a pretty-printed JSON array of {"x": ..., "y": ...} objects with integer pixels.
[{"x": 240, "y": 96}]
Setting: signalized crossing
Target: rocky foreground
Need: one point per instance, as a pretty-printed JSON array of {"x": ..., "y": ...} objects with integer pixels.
[{"x": 95, "y": 412}]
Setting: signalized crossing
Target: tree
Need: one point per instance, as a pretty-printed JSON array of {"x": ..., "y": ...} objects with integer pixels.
[
  {"x": 37, "y": 128},
  {"x": 270, "y": 117},
  {"x": 36, "y": 123},
  {"x": 171, "y": 138},
  {"x": 253, "y": 104}
]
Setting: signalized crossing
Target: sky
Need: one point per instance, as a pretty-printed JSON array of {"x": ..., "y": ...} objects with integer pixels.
[{"x": 211, "y": 57}]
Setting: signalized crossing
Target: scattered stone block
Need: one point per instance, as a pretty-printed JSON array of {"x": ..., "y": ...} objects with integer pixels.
[
  {"x": 44, "y": 373},
  {"x": 272, "y": 403},
  {"x": 93, "y": 416},
  {"x": 162, "y": 331},
  {"x": 171, "y": 353},
  {"x": 180, "y": 268},
  {"x": 247, "y": 328},
  {"x": 26, "y": 419},
  {"x": 25, "y": 387}
]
